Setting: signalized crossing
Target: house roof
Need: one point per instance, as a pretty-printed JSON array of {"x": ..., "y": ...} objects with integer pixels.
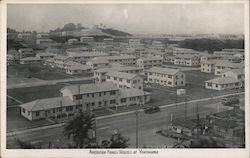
[
  {"x": 121, "y": 57},
  {"x": 107, "y": 69},
  {"x": 46, "y": 54},
  {"x": 99, "y": 61},
  {"x": 187, "y": 56},
  {"x": 83, "y": 54},
  {"x": 237, "y": 71},
  {"x": 91, "y": 88},
  {"x": 26, "y": 49},
  {"x": 225, "y": 63},
  {"x": 79, "y": 67},
  {"x": 30, "y": 58},
  {"x": 50, "y": 60},
  {"x": 223, "y": 80},
  {"x": 209, "y": 61},
  {"x": 48, "y": 103},
  {"x": 121, "y": 75},
  {"x": 131, "y": 92},
  {"x": 167, "y": 71},
  {"x": 151, "y": 58},
  {"x": 61, "y": 57}
]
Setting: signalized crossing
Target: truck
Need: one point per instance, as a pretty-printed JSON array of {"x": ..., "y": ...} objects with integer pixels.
[{"x": 230, "y": 101}]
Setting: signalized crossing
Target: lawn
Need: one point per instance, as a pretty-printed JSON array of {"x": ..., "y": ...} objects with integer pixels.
[
  {"x": 39, "y": 71},
  {"x": 16, "y": 122},
  {"x": 198, "y": 77},
  {"x": 33, "y": 93}
]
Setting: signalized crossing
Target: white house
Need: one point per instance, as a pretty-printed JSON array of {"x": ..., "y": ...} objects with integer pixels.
[
  {"x": 208, "y": 66},
  {"x": 49, "y": 107},
  {"x": 125, "y": 80},
  {"x": 232, "y": 79},
  {"x": 72, "y": 68},
  {"x": 128, "y": 60},
  {"x": 85, "y": 56},
  {"x": 97, "y": 63},
  {"x": 60, "y": 60},
  {"x": 148, "y": 62},
  {"x": 30, "y": 60},
  {"x": 166, "y": 77},
  {"x": 223, "y": 66},
  {"x": 187, "y": 60}
]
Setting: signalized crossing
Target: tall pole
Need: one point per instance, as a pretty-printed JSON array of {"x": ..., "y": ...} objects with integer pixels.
[
  {"x": 185, "y": 107},
  {"x": 136, "y": 113},
  {"x": 197, "y": 113}
]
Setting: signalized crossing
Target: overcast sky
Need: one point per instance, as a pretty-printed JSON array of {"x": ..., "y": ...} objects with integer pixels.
[{"x": 135, "y": 19}]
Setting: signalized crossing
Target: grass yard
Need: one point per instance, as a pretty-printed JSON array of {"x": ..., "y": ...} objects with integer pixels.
[
  {"x": 16, "y": 122},
  {"x": 32, "y": 93},
  {"x": 198, "y": 77}
]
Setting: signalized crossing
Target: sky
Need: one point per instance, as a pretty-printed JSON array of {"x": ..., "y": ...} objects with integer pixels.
[{"x": 132, "y": 18}]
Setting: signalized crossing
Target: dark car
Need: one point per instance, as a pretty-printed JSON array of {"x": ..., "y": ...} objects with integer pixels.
[
  {"x": 230, "y": 101},
  {"x": 151, "y": 109}
]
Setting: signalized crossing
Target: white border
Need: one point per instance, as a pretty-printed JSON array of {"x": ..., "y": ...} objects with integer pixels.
[{"x": 187, "y": 153}]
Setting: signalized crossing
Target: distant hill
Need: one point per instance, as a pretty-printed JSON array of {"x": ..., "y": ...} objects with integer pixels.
[{"x": 115, "y": 32}]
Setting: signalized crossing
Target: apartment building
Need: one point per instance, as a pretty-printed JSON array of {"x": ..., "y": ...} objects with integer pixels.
[
  {"x": 125, "y": 80},
  {"x": 211, "y": 57},
  {"x": 85, "y": 97},
  {"x": 25, "y": 52},
  {"x": 72, "y": 68},
  {"x": 229, "y": 52},
  {"x": 30, "y": 60},
  {"x": 166, "y": 77},
  {"x": 128, "y": 60},
  {"x": 86, "y": 56},
  {"x": 100, "y": 74},
  {"x": 60, "y": 60},
  {"x": 222, "y": 66},
  {"x": 45, "y": 56},
  {"x": 97, "y": 63},
  {"x": 187, "y": 60},
  {"x": 208, "y": 66},
  {"x": 183, "y": 51},
  {"x": 232, "y": 79},
  {"x": 148, "y": 62}
]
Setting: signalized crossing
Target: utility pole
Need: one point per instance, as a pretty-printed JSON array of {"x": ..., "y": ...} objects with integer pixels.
[
  {"x": 197, "y": 113},
  {"x": 136, "y": 114},
  {"x": 185, "y": 107}
]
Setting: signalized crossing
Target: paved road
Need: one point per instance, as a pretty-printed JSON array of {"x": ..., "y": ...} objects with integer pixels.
[
  {"x": 148, "y": 124},
  {"x": 49, "y": 82}
]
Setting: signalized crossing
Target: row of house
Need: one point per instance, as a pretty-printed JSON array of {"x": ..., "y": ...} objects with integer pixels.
[{"x": 86, "y": 97}]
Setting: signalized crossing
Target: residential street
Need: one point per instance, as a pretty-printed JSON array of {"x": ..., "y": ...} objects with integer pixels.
[{"x": 148, "y": 125}]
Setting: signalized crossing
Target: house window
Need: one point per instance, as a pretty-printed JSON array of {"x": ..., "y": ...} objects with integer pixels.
[
  {"x": 37, "y": 113},
  {"x": 123, "y": 100},
  {"x": 78, "y": 97},
  {"x": 169, "y": 76},
  {"x": 87, "y": 95},
  {"x": 93, "y": 95},
  {"x": 134, "y": 81},
  {"x": 216, "y": 85},
  {"x": 181, "y": 82},
  {"x": 24, "y": 110},
  {"x": 112, "y": 92},
  {"x": 209, "y": 84},
  {"x": 128, "y": 81},
  {"x": 100, "y": 94},
  {"x": 93, "y": 104},
  {"x": 120, "y": 79},
  {"x": 104, "y": 93},
  {"x": 54, "y": 110},
  {"x": 28, "y": 112},
  {"x": 112, "y": 101},
  {"x": 108, "y": 77},
  {"x": 69, "y": 108},
  {"x": 115, "y": 78},
  {"x": 100, "y": 103},
  {"x": 169, "y": 83}
]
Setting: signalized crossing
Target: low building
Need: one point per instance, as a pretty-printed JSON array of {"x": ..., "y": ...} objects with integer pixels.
[
  {"x": 148, "y": 62},
  {"x": 100, "y": 74},
  {"x": 72, "y": 40},
  {"x": 125, "y": 80},
  {"x": 187, "y": 60},
  {"x": 45, "y": 56},
  {"x": 184, "y": 51},
  {"x": 210, "y": 57},
  {"x": 86, "y": 56},
  {"x": 97, "y": 63},
  {"x": 30, "y": 60},
  {"x": 44, "y": 41},
  {"x": 78, "y": 69},
  {"x": 133, "y": 96},
  {"x": 223, "y": 66},
  {"x": 128, "y": 60},
  {"x": 232, "y": 79},
  {"x": 89, "y": 40},
  {"x": 157, "y": 45},
  {"x": 60, "y": 60},
  {"x": 50, "y": 107},
  {"x": 166, "y": 77},
  {"x": 50, "y": 62}
]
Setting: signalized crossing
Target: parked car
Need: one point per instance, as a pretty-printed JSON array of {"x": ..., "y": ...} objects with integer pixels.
[
  {"x": 151, "y": 109},
  {"x": 230, "y": 101}
]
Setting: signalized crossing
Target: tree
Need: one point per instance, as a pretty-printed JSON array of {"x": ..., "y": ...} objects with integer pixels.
[
  {"x": 78, "y": 130},
  {"x": 69, "y": 27},
  {"x": 25, "y": 145},
  {"x": 118, "y": 141}
]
